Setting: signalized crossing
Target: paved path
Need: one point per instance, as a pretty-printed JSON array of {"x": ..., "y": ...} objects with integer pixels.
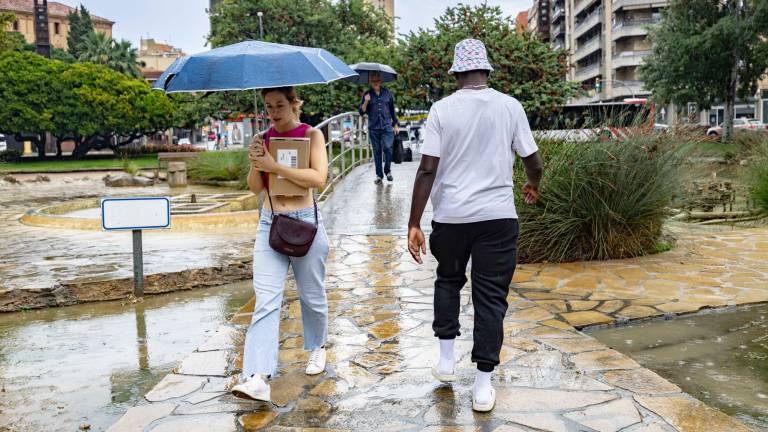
[{"x": 552, "y": 378}]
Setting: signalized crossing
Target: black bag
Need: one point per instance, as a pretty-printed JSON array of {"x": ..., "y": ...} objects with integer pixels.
[
  {"x": 397, "y": 151},
  {"x": 408, "y": 155}
]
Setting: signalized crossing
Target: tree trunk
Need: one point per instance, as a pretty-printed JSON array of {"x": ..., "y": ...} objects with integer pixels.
[
  {"x": 730, "y": 101},
  {"x": 40, "y": 142},
  {"x": 58, "y": 148}
]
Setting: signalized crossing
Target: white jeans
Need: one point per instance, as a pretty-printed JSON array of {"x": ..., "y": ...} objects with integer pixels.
[{"x": 270, "y": 269}]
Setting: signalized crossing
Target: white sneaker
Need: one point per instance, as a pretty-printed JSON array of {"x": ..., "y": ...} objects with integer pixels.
[
  {"x": 484, "y": 406},
  {"x": 316, "y": 363},
  {"x": 443, "y": 377},
  {"x": 255, "y": 388}
]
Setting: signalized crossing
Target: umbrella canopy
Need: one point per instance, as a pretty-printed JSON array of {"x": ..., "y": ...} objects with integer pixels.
[
  {"x": 252, "y": 65},
  {"x": 364, "y": 70}
]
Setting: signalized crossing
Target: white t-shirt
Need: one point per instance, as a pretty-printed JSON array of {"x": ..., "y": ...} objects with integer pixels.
[{"x": 476, "y": 134}]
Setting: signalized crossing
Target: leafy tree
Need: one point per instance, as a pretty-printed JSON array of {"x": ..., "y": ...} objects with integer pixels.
[
  {"x": 708, "y": 51},
  {"x": 9, "y": 40},
  {"x": 525, "y": 67},
  {"x": 351, "y": 29},
  {"x": 80, "y": 26},
  {"x": 29, "y": 91},
  {"x": 101, "y": 108},
  {"x": 119, "y": 56}
]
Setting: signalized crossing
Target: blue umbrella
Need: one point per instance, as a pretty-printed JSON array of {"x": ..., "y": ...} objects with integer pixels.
[{"x": 252, "y": 65}]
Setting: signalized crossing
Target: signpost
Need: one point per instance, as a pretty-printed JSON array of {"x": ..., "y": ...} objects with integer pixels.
[{"x": 136, "y": 214}]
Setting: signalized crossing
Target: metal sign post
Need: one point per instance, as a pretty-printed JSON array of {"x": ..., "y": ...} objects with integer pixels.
[{"x": 135, "y": 215}]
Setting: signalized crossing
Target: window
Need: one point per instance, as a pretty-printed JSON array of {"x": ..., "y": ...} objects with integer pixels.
[
  {"x": 56, "y": 28},
  {"x": 15, "y": 26}
]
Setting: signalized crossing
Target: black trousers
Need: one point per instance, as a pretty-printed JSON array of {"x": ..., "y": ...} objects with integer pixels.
[{"x": 493, "y": 248}]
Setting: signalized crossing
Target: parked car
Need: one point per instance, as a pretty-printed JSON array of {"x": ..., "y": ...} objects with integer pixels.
[
  {"x": 185, "y": 141},
  {"x": 739, "y": 125},
  {"x": 3, "y": 143},
  {"x": 659, "y": 127},
  {"x": 758, "y": 125}
]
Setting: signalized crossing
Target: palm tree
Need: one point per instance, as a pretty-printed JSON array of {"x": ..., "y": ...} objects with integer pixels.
[{"x": 119, "y": 56}]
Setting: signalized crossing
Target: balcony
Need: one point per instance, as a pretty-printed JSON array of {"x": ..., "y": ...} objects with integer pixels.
[
  {"x": 637, "y": 4},
  {"x": 558, "y": 30},
  {"x": 558, "y": 44},
  {"x": 588, "y": 47},
  {"x": 589, "y": 22},
  {"x": 626, "y": 89},
  {"x": 557, "y": 13},
  {"x": 629, "y": 58},
  {"x": 589, "y": 72},
  {"x": 583, "y": 4},
  {"x": 629, "y": 28}
]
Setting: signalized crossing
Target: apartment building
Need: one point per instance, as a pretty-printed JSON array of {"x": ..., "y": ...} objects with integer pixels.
[
  {"x": 539, "y": 19},
  {"x": 387, "y": 5},
  {"x": 607, "y": 41}
]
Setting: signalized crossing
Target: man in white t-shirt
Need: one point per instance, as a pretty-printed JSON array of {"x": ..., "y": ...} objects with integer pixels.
[{"x": 470, "y": 141}]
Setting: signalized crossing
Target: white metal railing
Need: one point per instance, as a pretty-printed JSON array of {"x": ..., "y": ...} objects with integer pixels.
[{"x": 343, "y": 144}]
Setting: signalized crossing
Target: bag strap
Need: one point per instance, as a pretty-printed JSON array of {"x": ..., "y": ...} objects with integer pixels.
[{"x": 314, "y": 201}]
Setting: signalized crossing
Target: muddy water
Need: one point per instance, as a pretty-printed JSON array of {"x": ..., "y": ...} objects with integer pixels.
[
  {"x": 63, "y": 367},
  {"x": 721, "y": 358}
]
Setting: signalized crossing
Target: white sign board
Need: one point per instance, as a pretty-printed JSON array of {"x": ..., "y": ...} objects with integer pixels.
[{"x": 135, "y": 213}]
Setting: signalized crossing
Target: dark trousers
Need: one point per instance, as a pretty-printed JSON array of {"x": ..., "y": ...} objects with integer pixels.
[
  {"x": 381, "y": 141},
  {"x": 493, "y": 248}
]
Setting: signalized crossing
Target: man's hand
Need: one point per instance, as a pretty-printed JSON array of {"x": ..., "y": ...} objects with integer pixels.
[
  {"x": 530, "y": 193},
  {"x": 367, "y": 97},
  {"x": 417, "y": 245},
  {"x": 397, "y": 129}
]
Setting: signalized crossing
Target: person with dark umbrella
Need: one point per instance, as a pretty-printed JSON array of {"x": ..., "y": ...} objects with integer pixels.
[{"x": 379, "y": 104}]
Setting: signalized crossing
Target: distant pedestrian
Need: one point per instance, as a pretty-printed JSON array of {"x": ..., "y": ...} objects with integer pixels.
[
  {"x": 379, "y": 103},
  {"x": 470, "y": 141}
]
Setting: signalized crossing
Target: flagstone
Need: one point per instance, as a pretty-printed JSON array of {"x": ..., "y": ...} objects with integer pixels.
[
  {"x": 582, "y": 305},
  {"x": 586, "y": 318},
  {"x": 634, "y": 312},
  {"x": 640, "y": 381},
  {"x": 518, "y": 400},
  {"x": 540, "y": 421},
  {"x": 174, "y": 386},
  {"x": 610, "y": 306},
  {"x": 690, "y": 415},
  {"x": 257, "y": 420},
  {"x": 610, "y": 417},
  {"x": 138, "y": 418},
  {"x": 211, "y": 363},
  {"x": 603, "y": 360}
]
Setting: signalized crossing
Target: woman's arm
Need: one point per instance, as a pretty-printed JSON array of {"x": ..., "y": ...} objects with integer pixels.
[
  {"x": 313, "y": 177},
  {"x": 255, "y": 182}
]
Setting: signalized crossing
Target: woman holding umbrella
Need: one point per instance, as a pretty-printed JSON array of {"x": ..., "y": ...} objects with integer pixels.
[
  {"x": 379, "y": 104},
  {"x": 270, "y": 266}
]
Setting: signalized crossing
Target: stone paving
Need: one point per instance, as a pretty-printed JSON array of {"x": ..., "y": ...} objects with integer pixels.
[
  {"x": 50, "y": 267},
  {"x": 381, "y": 346}
]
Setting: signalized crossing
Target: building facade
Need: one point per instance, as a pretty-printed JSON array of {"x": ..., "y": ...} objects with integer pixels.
[
  {"x": 156, "y": 57},
  {"x": 539, "y": 19},
  {"x": 521, "y": 22},
  {"x": 607, "y": 41},
  {"x": 58, "y": 21}
]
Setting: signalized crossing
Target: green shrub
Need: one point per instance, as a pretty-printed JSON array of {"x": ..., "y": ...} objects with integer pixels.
[
  {"x": 130, "y": 167},
  {"x": 757, "y": 178},
  {"x": 10, "y": 156},
  {"x": 600, "y": 199},
  {"x": 221, "y": 166}
]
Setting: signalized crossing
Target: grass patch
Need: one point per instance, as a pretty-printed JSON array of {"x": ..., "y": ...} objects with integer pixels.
[
  {"x": 221, "y": 166},
  {"x": 757, "y": 178},
  {"x": 600, "y": 200},
  {"x": 55, "y": 165}
]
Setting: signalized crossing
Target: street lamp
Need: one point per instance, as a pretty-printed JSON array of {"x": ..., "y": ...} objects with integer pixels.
[{"x": 260, "y": 14}]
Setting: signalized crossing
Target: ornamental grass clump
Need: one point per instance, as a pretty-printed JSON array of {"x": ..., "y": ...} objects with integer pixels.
[
  {"x": 757, "y": 177},
  {"x": 600, "y": 199},
  {"x": 221, "y": 166}
]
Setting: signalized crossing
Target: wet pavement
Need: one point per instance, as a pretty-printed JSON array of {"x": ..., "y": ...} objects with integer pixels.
[
  {"x": 36, "y": 260},
  {"x": 381, "y": 347},
  {"x": 61, "y": 368}
]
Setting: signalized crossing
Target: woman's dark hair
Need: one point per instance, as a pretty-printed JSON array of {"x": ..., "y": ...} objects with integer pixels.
[{"x": 290, "y": 94}]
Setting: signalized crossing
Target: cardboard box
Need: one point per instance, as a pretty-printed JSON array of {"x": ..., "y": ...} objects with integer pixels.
[{"x": 291, "y": 152}]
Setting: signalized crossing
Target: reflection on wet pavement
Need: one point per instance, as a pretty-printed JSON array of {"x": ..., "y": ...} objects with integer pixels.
[
  {"x": 88, "y": 364},
  {"x": 718, "y": 357}
]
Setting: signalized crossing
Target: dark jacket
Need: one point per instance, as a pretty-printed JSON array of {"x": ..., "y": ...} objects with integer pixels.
[{"x": 381, "y": 109}]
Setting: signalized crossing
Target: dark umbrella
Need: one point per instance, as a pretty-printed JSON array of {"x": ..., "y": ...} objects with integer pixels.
[{"x": 364, "y": 71}]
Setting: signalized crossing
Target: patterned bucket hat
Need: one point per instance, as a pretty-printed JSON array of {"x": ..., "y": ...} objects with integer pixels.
[{"x": 470, "y": 54}]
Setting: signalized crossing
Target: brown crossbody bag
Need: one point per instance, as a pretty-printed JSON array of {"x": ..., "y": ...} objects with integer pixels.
[{"x": 291, "y": 236}]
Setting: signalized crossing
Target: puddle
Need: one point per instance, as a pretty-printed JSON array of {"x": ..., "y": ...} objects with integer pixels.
[
  {"x": 721, "y": 357},
  {"x": 90, "y": 363}
]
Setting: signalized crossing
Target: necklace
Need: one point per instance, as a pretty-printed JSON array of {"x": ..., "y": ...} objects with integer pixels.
[{"x": 475, "y": 87}]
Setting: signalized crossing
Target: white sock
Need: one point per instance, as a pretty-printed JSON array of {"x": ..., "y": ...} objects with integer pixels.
[
  {"x": 447, "y": 363},
  {"x": 482, "y": 387}
]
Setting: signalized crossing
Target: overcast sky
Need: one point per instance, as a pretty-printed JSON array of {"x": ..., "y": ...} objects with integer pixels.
[{"x": 184, "y": 23}]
